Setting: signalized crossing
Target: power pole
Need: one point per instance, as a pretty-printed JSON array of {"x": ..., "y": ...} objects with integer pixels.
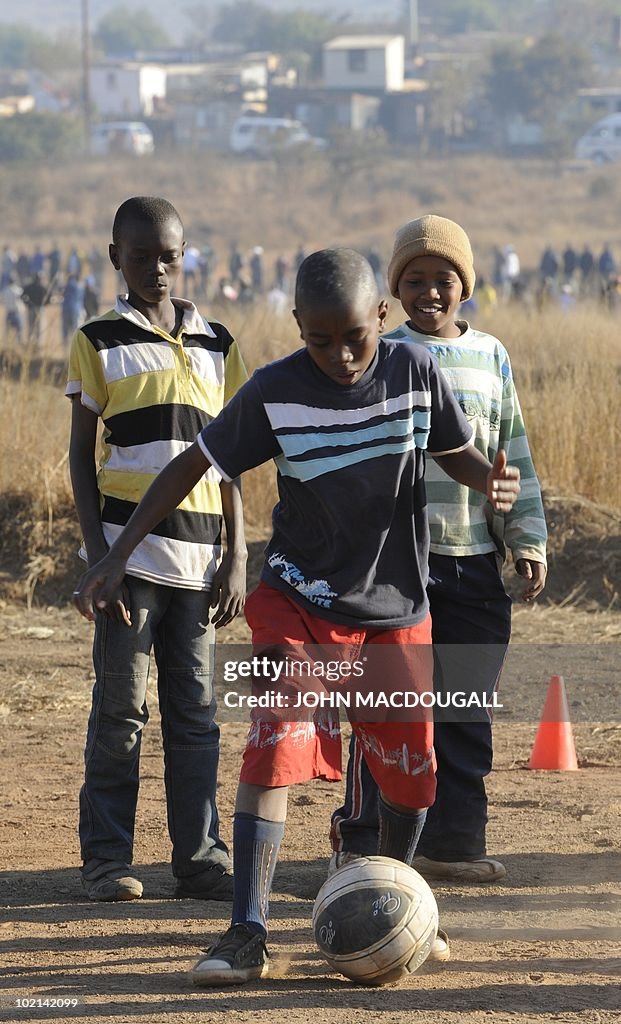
[
  {"x": 411, "y": 7},
  {"x": 86, "y": 74}
]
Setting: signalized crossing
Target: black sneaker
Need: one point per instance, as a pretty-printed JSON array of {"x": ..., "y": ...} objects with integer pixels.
[
  {"x": 214, "y": 883},
  {"x": 239, "y": 955}
]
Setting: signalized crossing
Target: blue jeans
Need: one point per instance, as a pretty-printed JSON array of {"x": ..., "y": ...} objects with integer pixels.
[
  {"x": 174, "y": 623},
  {"x": 469, "y": 606}
]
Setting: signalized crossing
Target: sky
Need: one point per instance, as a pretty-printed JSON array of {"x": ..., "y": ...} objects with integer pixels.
[{"x": 64, "y": 15}]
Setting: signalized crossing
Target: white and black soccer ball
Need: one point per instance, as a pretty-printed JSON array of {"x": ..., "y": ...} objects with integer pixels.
[{"x": 375, "y": 920}]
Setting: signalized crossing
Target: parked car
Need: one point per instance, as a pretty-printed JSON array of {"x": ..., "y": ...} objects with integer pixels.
[
  {"x": 125, "y": 137},
  {"x": 602, "y": 142},
  {"x": 256, "y": 135}
]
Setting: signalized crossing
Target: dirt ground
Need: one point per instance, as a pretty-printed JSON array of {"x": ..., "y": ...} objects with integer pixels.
[{"x": 543, "y": 944}]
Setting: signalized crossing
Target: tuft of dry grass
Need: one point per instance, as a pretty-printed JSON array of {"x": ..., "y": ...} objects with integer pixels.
[
  {"x": 35, "y": 491},
  {"x": 34, "y": 433},
  {"x": 567, "y": 369}
]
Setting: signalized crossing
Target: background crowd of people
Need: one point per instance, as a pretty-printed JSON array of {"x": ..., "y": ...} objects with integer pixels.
[{"x": 31, "y": 282}]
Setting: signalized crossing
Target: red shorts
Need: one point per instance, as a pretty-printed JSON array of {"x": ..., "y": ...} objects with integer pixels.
[{"x": 399, "y": 753}]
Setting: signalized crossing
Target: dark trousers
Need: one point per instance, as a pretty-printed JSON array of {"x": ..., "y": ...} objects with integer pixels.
[
  {"x": 471, "y": 626},
  {"x": 173, "y": 622}
]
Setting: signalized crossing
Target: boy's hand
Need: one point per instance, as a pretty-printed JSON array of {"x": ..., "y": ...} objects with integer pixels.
[
  {"x": 102, "y": 589},
  {"x": 228, "y": 590},
  {"x": 503, "y": 483},
  {"x": 535, "y": 573}
]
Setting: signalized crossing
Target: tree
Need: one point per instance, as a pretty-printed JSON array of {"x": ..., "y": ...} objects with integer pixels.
[
  {"x": 508, "y": 92},
  {"x": 555, "y": 69},
  {"x": 455, "y": 91},
  {"x": 39, "y": 137},
  {"x": 460, "y": 15},
  {"x": 470, "y": 15},
  {"x": 16, "y": 45},
  {"x": 254, "y": 27},
  {"x": 589, "y": 24},
  {"x": 121, "y": 32},
  {"x": 537, "y": 81},
  {"x": 24, "y": 48},
  {"x": 243, "y": 22}
]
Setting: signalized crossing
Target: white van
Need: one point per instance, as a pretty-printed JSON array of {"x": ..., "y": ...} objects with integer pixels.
[
  {"x": 602, "y": 142},
  {"x": 256, "y": 135},
  {"x": 110, "y": 137}
]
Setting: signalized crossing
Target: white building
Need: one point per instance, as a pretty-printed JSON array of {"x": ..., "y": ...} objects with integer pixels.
[
  {"x": 127, "y": 89},
  {"x": 360, "y": 63}
]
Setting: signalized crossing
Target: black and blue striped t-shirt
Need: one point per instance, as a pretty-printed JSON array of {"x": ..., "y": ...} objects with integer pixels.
[{"x": 350, "y": 536}]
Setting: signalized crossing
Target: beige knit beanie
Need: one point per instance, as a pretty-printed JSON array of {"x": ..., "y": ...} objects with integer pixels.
[{"x": 432, "y": 236}]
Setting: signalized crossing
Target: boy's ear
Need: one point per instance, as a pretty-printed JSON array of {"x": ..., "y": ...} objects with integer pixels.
[
  {"x": 382, "y": 312},
  {"x": 112, "y": 253},
  {"x": 183, "y": 245},
  {"x": 297, "y": 320}
]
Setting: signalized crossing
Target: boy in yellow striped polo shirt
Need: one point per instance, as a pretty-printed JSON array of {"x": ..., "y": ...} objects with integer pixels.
[{"x": 155, "y": 373}]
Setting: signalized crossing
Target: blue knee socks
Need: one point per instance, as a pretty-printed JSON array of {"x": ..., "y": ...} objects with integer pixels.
[
  {"x": 399, "y": 833},
  {"x": 256, "y": 843}
]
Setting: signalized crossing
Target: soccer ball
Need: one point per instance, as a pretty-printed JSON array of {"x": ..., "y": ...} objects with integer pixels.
[{"x": 375, "y": 920}]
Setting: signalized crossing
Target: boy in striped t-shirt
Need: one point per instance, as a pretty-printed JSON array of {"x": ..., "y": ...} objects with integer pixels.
[
  {"x": 347, "y": 420},
  {"x": 432, "y": 272},
  {"x": 155, "y": 372}
]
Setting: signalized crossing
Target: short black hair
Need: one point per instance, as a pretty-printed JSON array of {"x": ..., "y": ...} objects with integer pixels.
[
  {"x": 147, "y": 209},
  {"x": 334, "y": 277}
]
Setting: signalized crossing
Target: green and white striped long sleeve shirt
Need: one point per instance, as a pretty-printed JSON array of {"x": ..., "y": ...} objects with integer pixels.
[{"x": 461, "y": 521}]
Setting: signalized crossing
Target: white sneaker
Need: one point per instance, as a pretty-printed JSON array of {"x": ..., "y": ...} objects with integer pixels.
[
  {"x": 339, "y": 860},
  {"x": 440, "y": 949}
]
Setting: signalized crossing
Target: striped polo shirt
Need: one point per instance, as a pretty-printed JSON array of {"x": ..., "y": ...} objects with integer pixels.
[
  {"x": 350, "y": 538},
  {"x": 477, "y": 368},
  {"x": 153, "y": 393}
]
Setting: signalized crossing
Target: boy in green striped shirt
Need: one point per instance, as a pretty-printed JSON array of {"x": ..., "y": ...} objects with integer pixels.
[{"x": 431, "y": 272}]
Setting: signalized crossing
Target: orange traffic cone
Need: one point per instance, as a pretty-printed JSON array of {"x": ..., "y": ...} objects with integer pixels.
[{"x": 553, "y": 749}]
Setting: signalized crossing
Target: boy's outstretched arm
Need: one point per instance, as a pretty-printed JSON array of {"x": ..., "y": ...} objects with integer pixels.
[
  {"x": 228, "y": 589},
  {"x": 168, "y": 489},
  {"x": 500, "y": 482}
]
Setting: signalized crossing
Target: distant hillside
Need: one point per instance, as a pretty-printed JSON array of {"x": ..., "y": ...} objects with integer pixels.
[{"x": 57, "y": 15}]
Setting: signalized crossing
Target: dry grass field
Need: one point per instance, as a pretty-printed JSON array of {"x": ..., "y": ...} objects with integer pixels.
[
  {"x": 568, "y": 370},
  {"x": 351, "y": 199}
]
